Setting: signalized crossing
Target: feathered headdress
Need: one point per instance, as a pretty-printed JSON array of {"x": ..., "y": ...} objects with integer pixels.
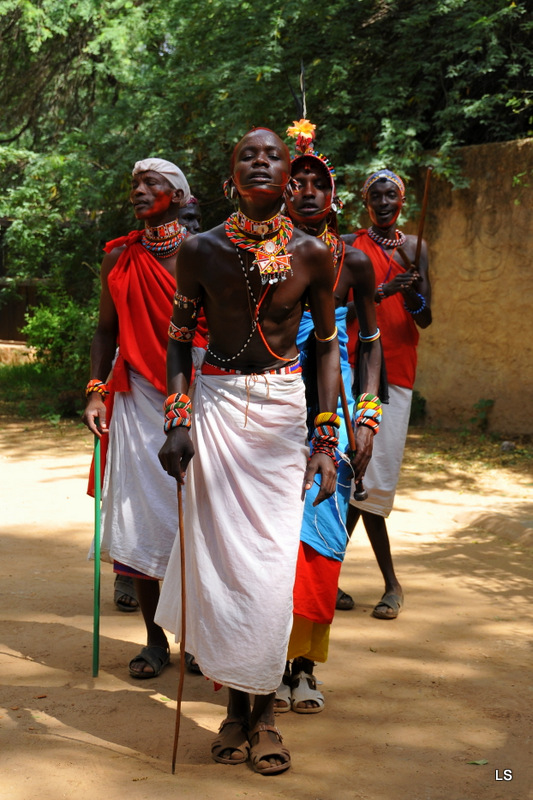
[{"x": 304, "y": 132}]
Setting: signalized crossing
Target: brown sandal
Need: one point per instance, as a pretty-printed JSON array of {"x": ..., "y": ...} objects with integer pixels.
[
  {"x": 235, "y": 740},
  {"x": 262, "y": 751}
]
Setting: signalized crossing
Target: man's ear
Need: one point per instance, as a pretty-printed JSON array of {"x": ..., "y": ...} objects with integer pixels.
[{"x": 177, "y": 197}]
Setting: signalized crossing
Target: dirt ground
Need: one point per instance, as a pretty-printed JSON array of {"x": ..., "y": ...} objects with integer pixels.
[{"x": 410, "y": 704}]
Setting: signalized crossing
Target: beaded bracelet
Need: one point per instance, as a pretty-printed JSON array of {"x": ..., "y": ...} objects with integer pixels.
[
  {"x": 328, "y": 338},
  {"x": 177, "y": 411},
  {"x": 371, "y": 338},
  {"x": 183, "y": 334},
  {"x": 327, "y": 418},
  {"x": 420, "y": 308},
  {"x": 96, "y": 385},
  {"x": 381, "y": 293},
  {"x": 368, "y": 412},
  {"x": 325, "y": 440}
]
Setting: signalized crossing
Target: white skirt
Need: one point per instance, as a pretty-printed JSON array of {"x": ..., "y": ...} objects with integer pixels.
[{"x": 243, "y": 513}]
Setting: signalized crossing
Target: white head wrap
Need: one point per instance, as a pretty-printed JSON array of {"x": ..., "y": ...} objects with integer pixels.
[{"x": 170, "y": 171}]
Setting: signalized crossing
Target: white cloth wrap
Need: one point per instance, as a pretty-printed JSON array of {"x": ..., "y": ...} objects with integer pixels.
[
  {"x": 170, "y": 171},
  {"x": 383, "y": 471},
  {"x": 243, "y": 513},
  {"x": 139, "y": 506}
]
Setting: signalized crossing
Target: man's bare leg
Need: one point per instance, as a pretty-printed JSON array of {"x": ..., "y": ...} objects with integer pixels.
[
  {"x": 376, "y": 529},
  {"x": 148, "y": 596}
]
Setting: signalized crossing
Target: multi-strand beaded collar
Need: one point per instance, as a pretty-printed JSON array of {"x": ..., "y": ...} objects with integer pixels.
[
  {"x": 164, "y": 240},
  {"x": 270, "y": 257},
  {"x": 399, "y": 240}
]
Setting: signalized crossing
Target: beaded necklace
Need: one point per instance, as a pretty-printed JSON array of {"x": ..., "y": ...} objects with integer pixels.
[
  {"x": 164, "y": 241},
  {"x": 399, "y": 240},
  {"x": 262, "y": 228},
  {"x": 333, "y": 242},
  {"x": 270, "y": 257}
]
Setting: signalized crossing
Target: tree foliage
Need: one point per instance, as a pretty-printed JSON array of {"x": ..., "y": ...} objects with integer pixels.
[{"x": 90, "y": 86}]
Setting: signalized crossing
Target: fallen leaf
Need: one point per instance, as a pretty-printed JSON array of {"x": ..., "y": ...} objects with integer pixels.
[{"x": 480, "y": 763}]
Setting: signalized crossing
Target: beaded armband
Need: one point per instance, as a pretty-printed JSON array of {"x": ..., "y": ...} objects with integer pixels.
[
  {"x": 368, "y": 412},
  {"x": 183, "y": 334},
  {"x": 380, "y": 293},
  {"x": 328, "y": 338},
  {"x": 325, "y": 436},
  {"x": 95, "y": 385},
  {"x": 177, "y": 411},
  {"x": 371, "y": 338},
  {"x": 180, "y": 301},
  {"x": 421, "y": 306}
]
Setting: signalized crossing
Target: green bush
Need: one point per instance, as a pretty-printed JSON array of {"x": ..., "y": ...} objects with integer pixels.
[{"x": 61, "y": 333}]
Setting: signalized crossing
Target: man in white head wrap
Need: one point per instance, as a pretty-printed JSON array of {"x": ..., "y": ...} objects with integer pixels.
[
  {"x": 170, "y": 171},
  {"x": 139, "y": 513}
]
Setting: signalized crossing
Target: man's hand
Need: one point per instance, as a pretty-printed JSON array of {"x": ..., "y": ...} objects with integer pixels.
[
  {"x": 176, "y": 453},
  {"x": 94, "y": 415},
  {"x": 323, "y": 464},
  {"x": 364, "y": 440},
  {"x": 400, "y": 282}
]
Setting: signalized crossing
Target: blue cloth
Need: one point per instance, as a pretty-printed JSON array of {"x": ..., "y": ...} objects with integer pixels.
[{"x": 323, "y": 527}]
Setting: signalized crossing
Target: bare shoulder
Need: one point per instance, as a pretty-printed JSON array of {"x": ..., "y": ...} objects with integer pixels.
[
  {"x": 349, "y": 238},
  {"x": 358, "y": 262},
  {"x": 203, "y": 243},
  {"x": 306, "y": 245},
  {"x": 110, "y": 259}
]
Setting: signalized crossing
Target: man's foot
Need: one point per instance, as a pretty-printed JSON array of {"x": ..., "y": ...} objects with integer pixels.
[
  {"x": 389, "y": 606},
  {"x": 269, "y": 755},
  {"x": 124, "y": 596},
  {"x": 150, "y": 662},
  {"x": 306, "y": 698},
  {"x": 192, "y": 664},
  {"x": 231, "y": 745},
  {"x": 344, "y": 601}
]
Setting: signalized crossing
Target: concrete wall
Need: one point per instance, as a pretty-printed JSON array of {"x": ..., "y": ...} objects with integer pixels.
[{"x": 480, "y": 345}]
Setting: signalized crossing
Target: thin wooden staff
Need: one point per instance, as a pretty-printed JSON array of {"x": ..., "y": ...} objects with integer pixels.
[
  {"x": 360, "y": 492},
  {"x": 422, "y": 218},
  {"x": 96, "y": 588},
  {"x": 405, "y": 258},
  {"x": 183, "y": 628}
]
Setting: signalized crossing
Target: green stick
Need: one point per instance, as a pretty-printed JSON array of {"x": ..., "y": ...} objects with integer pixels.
[{"x": 96, "y": 599}]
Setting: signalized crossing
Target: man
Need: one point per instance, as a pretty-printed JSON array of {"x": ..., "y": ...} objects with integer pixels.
[
  {"x": 323, "y": 536},
  {"x": 190, "y": 216},
  {"x": 244, "y": 504},
  {"x": 139, "y": 516},
  {"x": 403, "y": 298}
]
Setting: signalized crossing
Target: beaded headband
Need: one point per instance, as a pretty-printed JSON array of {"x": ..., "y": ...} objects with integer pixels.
[{"x": 382, "y": 174}]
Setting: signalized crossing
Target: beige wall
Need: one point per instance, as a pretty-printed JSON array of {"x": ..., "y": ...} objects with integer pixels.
[{"x": 480, "y": 345}]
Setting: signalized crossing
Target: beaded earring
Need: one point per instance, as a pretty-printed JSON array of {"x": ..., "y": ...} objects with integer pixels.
[
  {"x": 292, "y": 187},
  {"x": 230, "y": 190}
]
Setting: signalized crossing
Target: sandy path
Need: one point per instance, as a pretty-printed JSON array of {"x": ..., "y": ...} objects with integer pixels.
[{"x": 408, "y": 703}]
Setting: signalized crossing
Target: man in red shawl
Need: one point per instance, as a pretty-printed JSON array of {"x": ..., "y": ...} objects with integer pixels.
[
  {"x": 403, "y": 304},
  {"x": 139, "y": 515}
]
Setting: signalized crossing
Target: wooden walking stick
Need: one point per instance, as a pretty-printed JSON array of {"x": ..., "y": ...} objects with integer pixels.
[
  {"x": 360, "y": 492},
  {"x": 96, "y": 589},
  {"x": 183, "y": 628},
  {"x": 405, "y": 258},
  {"x": 422, "y": 218}
]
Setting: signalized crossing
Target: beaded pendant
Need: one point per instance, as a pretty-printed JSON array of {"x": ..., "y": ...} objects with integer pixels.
[{"x": 273, "y": 262}]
